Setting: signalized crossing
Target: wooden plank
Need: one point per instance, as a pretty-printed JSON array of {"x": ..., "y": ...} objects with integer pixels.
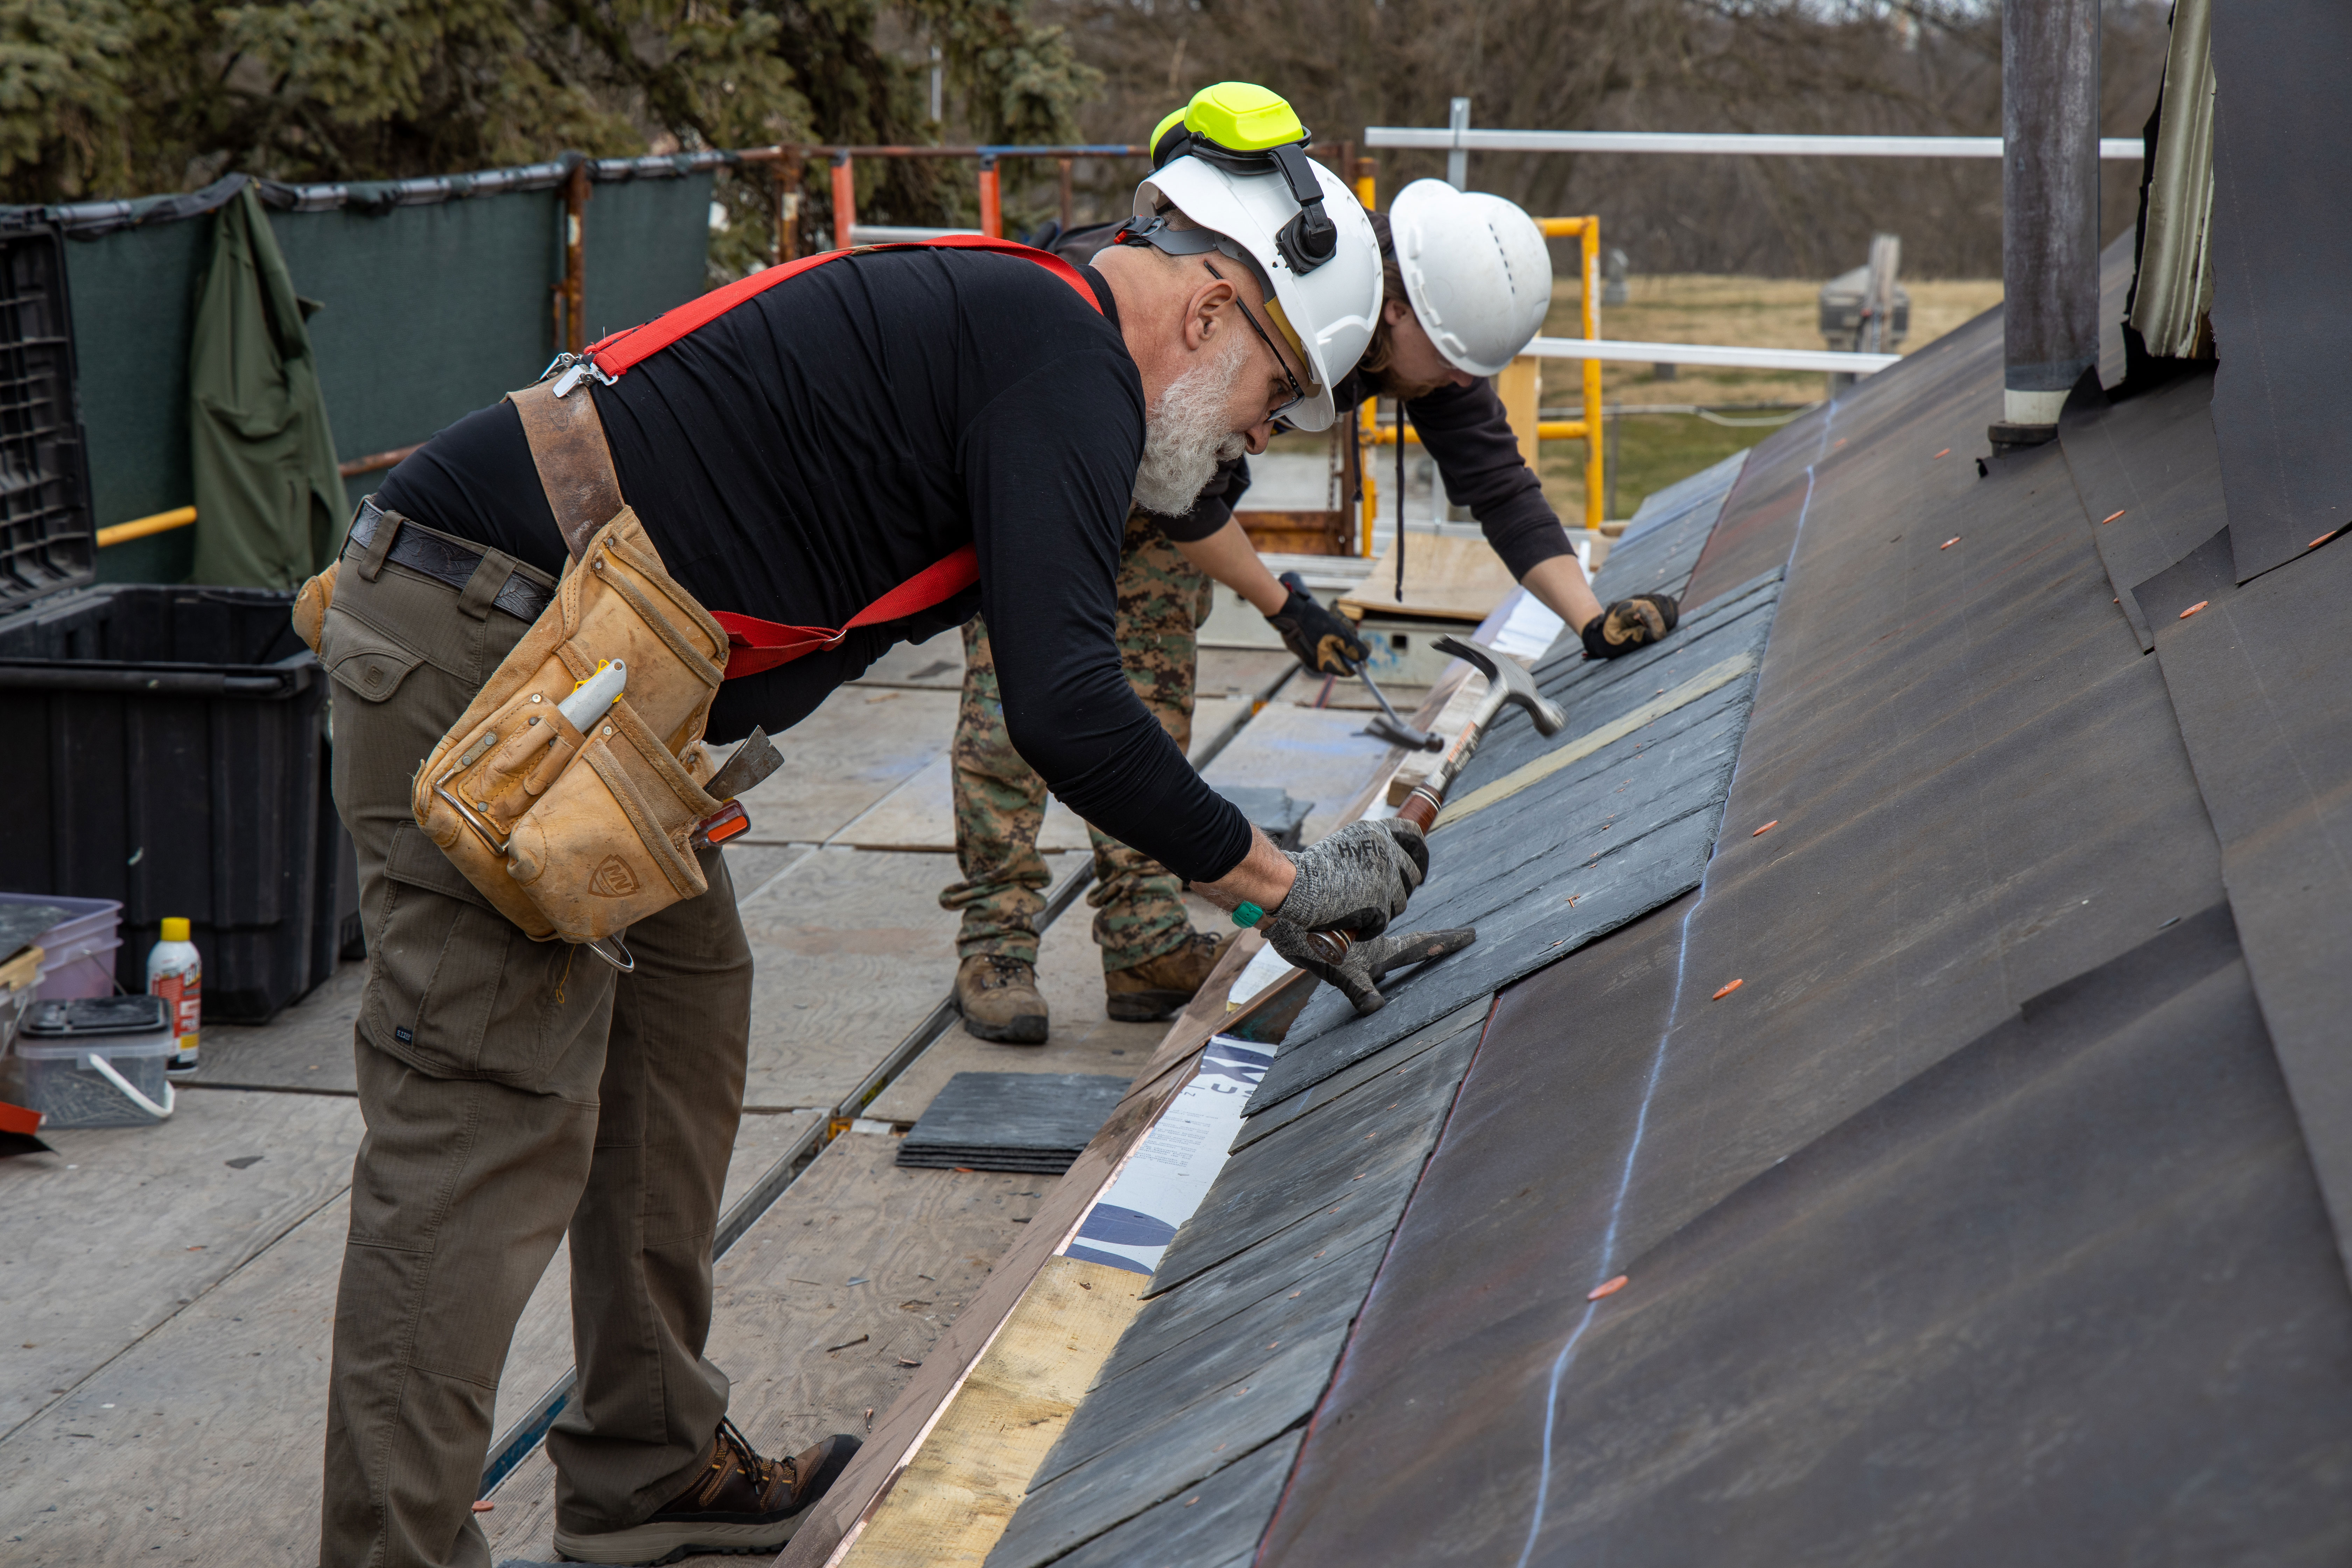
[
  {"x": 955, "y": 1498},
  {"x": 852, "y": 951},
  {"x": 1452, "y": 579},
  {"x": 1251, "y": 672},
  {"x": 121, "y": 1230},
  {"x": 858, "y": 746},
  {"x": 919, "y": 1245}
]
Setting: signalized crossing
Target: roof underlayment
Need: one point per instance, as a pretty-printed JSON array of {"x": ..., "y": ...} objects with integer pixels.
[{"x": 1988, "y": 1216}]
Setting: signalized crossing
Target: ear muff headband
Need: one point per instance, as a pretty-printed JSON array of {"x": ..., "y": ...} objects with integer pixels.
[{"x": 1308, "y": 240}]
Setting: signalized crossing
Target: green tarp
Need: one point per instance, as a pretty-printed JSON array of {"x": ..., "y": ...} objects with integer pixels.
[{"x": 428, "y": 312}]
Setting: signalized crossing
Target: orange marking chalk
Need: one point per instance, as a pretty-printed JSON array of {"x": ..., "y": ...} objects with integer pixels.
[
  {"x": 1606, "y": 1287},
  {"x": 1766, "y": 828},
  {"x": 1945, "y": 453},
  {"x": 2194, "y": 609},
  {"x": 1726, "y": 991},
  {"x": 1949, "y": 542},
  {"x": 2110, "y": 517}
]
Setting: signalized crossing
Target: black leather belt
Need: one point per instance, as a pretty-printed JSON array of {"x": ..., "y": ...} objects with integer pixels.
[{"x": 443, "y": 559}]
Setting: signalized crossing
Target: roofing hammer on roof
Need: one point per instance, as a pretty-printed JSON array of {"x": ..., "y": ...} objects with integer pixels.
[
  {"x": 1508, "y": 686},
  {"x": 1357, "y": 967}
]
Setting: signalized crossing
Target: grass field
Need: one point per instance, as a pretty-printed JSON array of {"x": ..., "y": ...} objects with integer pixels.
[{"x": 1655, "y": 449}]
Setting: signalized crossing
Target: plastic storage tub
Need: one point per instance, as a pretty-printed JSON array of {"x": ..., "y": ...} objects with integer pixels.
[
  {"x": 170, "y": 752},
  {"x": 97, "y": 1062},
  {"x": 78, "y": 954}
]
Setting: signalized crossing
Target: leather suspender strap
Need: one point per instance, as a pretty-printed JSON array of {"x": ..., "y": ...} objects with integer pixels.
[{"x": 574, "y": 464}]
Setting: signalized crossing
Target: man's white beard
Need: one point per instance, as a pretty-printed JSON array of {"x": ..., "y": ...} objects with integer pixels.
[{"x": 1187, "y": 436}]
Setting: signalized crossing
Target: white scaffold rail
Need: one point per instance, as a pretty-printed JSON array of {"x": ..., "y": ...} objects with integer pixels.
[
  {"x": 2114, "y": 149},
  {"x": 1715, "y": 354}
]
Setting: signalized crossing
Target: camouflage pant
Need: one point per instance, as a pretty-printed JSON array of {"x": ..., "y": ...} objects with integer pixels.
[{"x": 1000, "y": 801}]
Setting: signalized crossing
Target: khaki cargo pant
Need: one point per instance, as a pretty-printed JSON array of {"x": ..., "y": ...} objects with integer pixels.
[
  {"x": 512, "y": 1089},
  {"x": 1000, "y": 801}
]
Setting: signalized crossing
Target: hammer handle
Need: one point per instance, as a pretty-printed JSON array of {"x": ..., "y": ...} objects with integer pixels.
[{"x": 1420, "y": 808}]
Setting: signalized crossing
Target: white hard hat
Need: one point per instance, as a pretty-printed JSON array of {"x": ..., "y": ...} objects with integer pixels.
[
  {"x": 1477, "y": 270},
  {"x": 1329, "y": 306}
]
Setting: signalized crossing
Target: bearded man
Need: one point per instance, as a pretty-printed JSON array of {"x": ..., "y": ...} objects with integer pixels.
[{"x": 883, "y": 443}]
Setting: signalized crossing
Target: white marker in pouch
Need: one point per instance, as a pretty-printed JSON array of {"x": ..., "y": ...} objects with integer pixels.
[{"x": 590, "y": 699}]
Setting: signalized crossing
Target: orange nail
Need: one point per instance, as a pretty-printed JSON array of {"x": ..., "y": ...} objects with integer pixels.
[
  {"x": 2111, "y": 517},
  {"x": 1607, "y": 1287},
  {"x": 1766, "y": 828},
  {"x": 1945, "y": 453},
  {"x": 484, "y": 1507},
  {"x": 2194, "y": 609},
  {"x": 1949, "y": 542},
  {"x": 1726, "y": 991}
]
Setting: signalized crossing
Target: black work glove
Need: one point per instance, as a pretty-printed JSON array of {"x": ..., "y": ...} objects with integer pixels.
[
  {"x": 1324, "y": 642},
  {"x": 1358, "y": 975},
  {"x": 1356, "y": 879},
  {"x": 1630, "y": 624}
]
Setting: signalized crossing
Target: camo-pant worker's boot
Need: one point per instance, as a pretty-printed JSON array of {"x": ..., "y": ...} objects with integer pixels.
[{"x": 1000, "y": 801}]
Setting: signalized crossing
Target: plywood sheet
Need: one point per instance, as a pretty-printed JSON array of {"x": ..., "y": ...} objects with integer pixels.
[
  {"x": 1242, "y": 672},
  {"x": 851, "y": 951},
  {"x": 935, "y": 663},
  {"x": 1082, "y": 1036},
  {"x": 1315, "y": 754},
  {"x": 857, "y": 1254},
  {"x": 120, "y": 1231},
  {"x": 307, "y": 1048},
  {"x": 1450, "y": 579},
  {"x": 920, "y": 815},
  {"x": 954, "y": 1499},
  {"x": 858, "y": 746}
]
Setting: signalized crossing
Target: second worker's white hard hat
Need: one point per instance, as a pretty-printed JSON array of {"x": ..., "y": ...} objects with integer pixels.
[{"x": 1475, "y": 268}]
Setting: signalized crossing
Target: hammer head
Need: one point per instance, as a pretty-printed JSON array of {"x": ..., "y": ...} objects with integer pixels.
[{"x": 1507, "y": 682}]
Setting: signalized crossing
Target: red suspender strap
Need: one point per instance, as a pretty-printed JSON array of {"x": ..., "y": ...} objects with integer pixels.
[{"x": 756, "y": 645}]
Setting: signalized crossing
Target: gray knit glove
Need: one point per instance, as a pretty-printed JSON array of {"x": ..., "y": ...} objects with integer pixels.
[
  {"x": 1356, "y": 879},
  {"x": 1358, "y": 975}
]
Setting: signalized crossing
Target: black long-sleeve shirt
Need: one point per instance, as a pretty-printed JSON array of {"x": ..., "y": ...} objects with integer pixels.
[{"x": 832, "y": 435}]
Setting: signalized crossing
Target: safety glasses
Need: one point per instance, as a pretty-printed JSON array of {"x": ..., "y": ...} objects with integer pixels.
[{"x": 1298, "y": 392}]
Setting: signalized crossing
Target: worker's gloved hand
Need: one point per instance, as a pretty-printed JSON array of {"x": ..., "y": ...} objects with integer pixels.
[
  {"x": 1630, "y": 624},
  {"x": 1356, "y": 879},
  {"x": 1367, "y": 963},
  {"x": 1324, "y": 642}
]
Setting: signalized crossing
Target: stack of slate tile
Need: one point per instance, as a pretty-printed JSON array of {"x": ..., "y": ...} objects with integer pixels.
[{"x": 1026, "y": 1121}]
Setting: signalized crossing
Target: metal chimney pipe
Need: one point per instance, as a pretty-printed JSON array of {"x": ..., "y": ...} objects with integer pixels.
[{"x": 2050, "y": 211}]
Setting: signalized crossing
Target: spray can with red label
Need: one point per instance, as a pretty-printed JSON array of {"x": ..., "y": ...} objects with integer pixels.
[{"x": 176, "y": 973}]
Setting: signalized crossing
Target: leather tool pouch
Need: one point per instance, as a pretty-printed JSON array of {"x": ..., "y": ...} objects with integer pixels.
[{"x": 570, "y": 836}]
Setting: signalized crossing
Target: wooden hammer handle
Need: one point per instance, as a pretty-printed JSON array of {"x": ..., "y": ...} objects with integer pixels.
[{"x": 1420, "y": 808}]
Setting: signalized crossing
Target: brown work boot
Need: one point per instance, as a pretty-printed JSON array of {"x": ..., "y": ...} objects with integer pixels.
[
  {"x": 739, "y": 1503},
  {"x": 1157, "y": 987},
  {"x": 998, "y": 998}
]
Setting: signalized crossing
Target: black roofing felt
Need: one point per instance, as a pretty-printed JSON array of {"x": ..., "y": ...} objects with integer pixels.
[
  {"x": 2148, "y": 479},
  {"x": 1973, "y": 1226},
  {"x": 2282, "y": 271}
]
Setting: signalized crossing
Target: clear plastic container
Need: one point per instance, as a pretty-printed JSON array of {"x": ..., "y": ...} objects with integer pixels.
[
  {"x": 78, "y": 952},
  {"x": 98, "y": 1062}
]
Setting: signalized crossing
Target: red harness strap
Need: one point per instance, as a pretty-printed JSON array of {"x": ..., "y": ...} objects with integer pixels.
[{"x": 756, "y": 645}]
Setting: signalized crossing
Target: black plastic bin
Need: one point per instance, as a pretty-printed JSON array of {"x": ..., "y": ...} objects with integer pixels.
[{"x": 167, "y": 748}]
